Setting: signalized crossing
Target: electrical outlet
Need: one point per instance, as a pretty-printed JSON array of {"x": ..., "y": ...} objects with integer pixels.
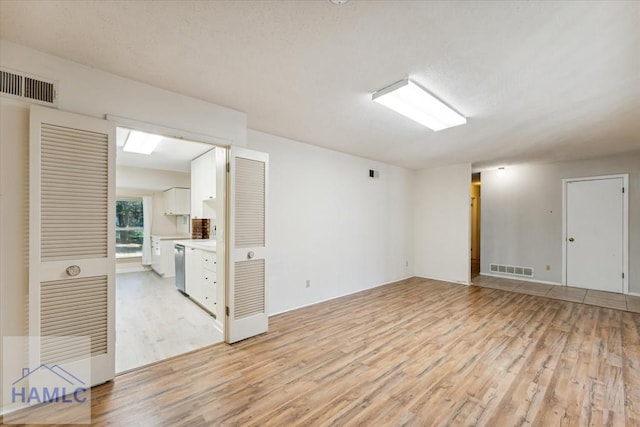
[
  {"x": 308, "y": 284},
  {"x": 548, "y": 267}
]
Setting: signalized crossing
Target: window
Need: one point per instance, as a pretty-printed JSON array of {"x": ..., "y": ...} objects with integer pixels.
[{"x": 129, "y": 228}]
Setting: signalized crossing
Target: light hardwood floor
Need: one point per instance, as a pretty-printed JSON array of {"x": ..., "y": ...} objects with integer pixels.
[
  {"x": 154, "y": 321},
  {"x": 418, "y": 352}
]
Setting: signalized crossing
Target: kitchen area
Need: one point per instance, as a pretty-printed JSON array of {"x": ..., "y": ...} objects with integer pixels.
[
  {"x": 173, "y": 301},
  {"x": 193, "y": 259}
]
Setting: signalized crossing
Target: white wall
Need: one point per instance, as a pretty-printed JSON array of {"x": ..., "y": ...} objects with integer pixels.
[
  {"x": 92, "y": 92},
  {"x": 442, "y": 221},
  {"x": 522, "y": 214},
  {"x": 129, "y": 177},
  {"x": 331, "y": 224},
  {"x": 14, "y": 158}
]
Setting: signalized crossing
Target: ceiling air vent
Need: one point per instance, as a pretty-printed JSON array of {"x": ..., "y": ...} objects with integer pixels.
[{"x": 27, "y": 88}]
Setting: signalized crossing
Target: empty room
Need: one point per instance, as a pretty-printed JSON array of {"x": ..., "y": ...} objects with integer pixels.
[{"x": 324, "y": 212}]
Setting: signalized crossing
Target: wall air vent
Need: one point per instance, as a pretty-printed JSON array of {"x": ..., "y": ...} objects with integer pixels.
[
  {"x": 511, "y": 269},
  {"x": 27, "y": 88}
]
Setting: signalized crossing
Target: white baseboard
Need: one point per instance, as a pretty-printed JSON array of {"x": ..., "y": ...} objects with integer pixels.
[
  {"x": 218, "y": 326},
  {"x": 634, "y": 294},
  {"x": 14, "y": 408},
  {"x": 524, "y": 279},
  {"x": 455, "y": 282},
  {"x": 339, "y": 296}
]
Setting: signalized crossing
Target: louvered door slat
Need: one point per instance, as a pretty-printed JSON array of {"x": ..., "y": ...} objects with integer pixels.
[
  {"x": 74, "y": 307},
  {"x": 84, "y": 175},
  {"x": 249, "y": 221},
  {"x": 249, "y": 288}
]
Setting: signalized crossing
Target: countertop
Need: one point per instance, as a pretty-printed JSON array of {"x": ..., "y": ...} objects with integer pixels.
[{"x": 204, "y": 244}]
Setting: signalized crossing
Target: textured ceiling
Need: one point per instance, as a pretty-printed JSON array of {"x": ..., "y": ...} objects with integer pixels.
[{"x": 538, "y": 81}]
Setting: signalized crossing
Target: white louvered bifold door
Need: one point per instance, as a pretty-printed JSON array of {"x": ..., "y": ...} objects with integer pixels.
[
  {"x": 246, "y": 290},
  {"x": 72, "y": 238}
]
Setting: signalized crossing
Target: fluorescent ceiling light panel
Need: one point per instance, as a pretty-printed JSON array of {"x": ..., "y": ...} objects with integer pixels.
[
  {"x": 410, "y": 100},
  {"x": 141, "y": 142}
]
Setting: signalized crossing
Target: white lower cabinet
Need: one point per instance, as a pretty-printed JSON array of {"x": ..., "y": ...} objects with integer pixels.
[
  {"x": 163, "y": 260},
  {"x": 200, "y": 278},
  {"x": 156, "y": 255},
  {"x": 210, "y": 282},
  {"x": 193, "y": 273}
]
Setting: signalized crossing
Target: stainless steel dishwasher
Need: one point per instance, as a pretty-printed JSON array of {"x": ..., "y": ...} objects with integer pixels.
[{"x": 178, "y": 250}]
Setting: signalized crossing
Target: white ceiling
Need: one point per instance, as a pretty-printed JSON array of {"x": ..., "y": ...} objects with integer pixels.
[
  {"x": 171, "y": 154},
  {"x": 538, "y": 81}
]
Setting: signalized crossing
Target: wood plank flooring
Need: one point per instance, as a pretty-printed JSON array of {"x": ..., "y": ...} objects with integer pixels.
[{"x": 417, "y": 352}]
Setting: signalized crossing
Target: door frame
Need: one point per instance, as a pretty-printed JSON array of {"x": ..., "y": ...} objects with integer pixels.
[
  {"x": 222, "y": 178},
  {"x": 625, "y": 224}
]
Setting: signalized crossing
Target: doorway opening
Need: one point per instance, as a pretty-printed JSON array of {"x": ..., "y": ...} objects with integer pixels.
[
  {"x": 157, "y": 196},
  {"x": 475, "y": 224}
]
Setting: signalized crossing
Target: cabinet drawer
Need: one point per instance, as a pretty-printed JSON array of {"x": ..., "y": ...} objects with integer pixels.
[
  {"x": 209, "y": 290},
  {"x": 209, "y": 279},
  {"x": 210, "y": 261}
]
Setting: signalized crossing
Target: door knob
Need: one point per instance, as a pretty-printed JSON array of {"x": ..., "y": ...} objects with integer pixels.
[
  {"x": 73, "y": 270},
  {"x": 250, "y": 255},
  {"x": 571, "y": 239}
]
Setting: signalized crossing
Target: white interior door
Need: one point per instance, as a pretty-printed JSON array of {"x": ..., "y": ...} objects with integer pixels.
[
  {"x": 246, "y": 288},
  {"x": 595, "y": 234},
  {"x": 72, "y": 238}
]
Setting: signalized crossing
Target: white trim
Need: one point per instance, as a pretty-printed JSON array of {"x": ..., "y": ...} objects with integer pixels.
[
  {"x": 445, "y": 280},
  {"x": 339, "y": 296},
  {"x": 625, "y": 224},
  {"x": 218, "y": 327},
  {"x": 455, "y": 282},
  {"x": 170, "y": 132},
  {"x": 520, "y": 278},
  {"x": 634, "y": 294}
]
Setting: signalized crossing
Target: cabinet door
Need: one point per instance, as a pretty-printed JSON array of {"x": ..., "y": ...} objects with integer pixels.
[
  {"x": 197, "y": 173},
  {"x": 168, "y": 258},
  {"x": 209, "y": 261},
  {"x": 176, "y": 201},
  {"x": 209, "y": 291},
  {"x": 203, "y": 183},
  {"x": 193, "y": 273},
  {"x": 169, "y": 201},
  {"x": 156, "y": 256},
  {"x": 209, "y": 178},
  {"x": 182, "y": 201}
]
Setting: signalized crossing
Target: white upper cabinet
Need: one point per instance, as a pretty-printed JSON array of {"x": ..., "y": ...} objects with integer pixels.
[
  {"x": 203, "y": 183},
  {"x": 177, "y": 201}
]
